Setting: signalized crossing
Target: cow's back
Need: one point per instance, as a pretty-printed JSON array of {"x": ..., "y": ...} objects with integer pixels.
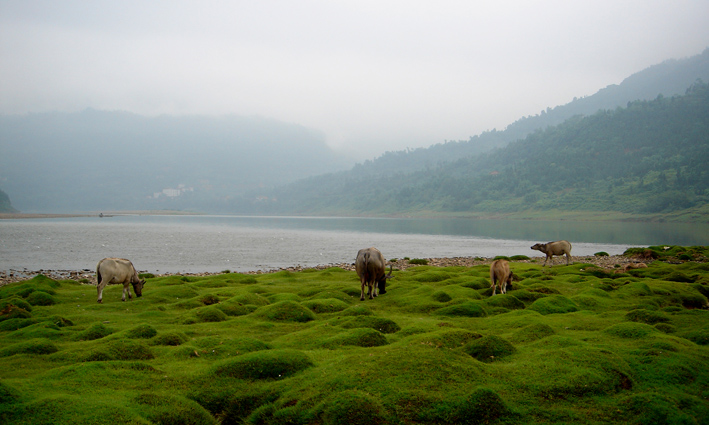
[
  {"x": 115, "y": 270},
  {"x": 560, "y": 247},
  {"x": 369, "y": 263}
]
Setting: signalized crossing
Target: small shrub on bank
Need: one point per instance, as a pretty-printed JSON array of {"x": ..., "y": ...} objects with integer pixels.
[
  {"x": 601, "y": 254},
  {"x": 419, "y": 261}
]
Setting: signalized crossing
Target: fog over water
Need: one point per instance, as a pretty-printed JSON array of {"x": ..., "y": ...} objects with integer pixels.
[{"x": 194, "y": 244}]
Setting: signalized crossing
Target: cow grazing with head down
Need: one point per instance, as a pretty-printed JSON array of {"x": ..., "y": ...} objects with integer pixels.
[
  {"x": 371, "y": 269},
  {"x": 118, "y": 271},
  {"x": 500, "y": 276},
  {"x": 554, "y": 248}
]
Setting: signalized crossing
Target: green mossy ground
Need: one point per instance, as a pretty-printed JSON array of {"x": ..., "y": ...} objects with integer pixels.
[{"x": 568, "y": 344}]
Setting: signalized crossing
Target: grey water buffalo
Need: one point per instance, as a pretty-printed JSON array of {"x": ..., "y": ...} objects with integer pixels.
[
  {"x": 554, "y": 248},
  {"x": 500, "y": 276},
  {"x": 118, "y": 271},
  {"x": 371, "y": 268}
]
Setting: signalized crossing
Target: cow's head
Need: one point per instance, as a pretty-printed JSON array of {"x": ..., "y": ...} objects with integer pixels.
[
  {"x": 138, "y": 287},
  {"x": 383, "y": 281},
  {"x": 539, "y": 247}
]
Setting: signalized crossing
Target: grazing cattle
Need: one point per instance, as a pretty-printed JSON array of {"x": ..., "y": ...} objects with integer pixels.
[
  {"x": 554, "y": 248},
  {"x": 500, "y": 276},
  {"x": 371, "y": 269},
  {"x": 118, "y": 270}
]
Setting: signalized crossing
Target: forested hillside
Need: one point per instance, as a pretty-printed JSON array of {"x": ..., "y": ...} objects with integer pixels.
[
  {"x": 5, "y": 205},
  {"x": 647, "y": 158},
  {"x": 669, "y": 78}
]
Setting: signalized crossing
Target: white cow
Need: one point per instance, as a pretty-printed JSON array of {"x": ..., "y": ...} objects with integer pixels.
[{"x": 115, "y": 271}]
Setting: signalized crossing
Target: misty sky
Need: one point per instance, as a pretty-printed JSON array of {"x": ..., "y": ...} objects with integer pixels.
[{"x": 371, "y": 75}]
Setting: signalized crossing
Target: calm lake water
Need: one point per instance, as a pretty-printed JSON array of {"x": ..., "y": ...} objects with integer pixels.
[{"x": 215, "y": 243}]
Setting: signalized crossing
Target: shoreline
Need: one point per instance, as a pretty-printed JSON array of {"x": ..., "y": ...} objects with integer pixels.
[{"x": 87, "y": 276}]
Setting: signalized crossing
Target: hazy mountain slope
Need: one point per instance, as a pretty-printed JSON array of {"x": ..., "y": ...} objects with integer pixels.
[
  {"x": 97, "y": 160},
  {"x": 649, "y": 157},
  {"x": 5, "y": 204},
  {"x": 668, "y": 78}
]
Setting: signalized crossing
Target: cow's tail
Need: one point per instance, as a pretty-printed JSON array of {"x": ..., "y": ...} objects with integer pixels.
[{"x": 98, "y": 272}]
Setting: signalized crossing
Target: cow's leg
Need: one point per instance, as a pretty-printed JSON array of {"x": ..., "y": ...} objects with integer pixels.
[
  {"x": 375, "y": 287},
  {"x": 568, "y": 257},
  {"x": 371, "y": 289},
  {"x": 361, "y": 295},
  {"x": 126, "y": 287},
  {"x": 494, "y": 287},
  {"x": 99, "y": 288}
]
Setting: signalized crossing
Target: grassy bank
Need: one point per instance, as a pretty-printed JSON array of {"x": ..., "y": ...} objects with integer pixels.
[{"x": 570, "y": 344}]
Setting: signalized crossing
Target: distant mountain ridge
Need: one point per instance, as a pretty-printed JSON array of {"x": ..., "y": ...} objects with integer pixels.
[
  {"x": 647, "y": 158},
  {"x": 669, "y": 78},
  {"x": 108, "y": 160}
]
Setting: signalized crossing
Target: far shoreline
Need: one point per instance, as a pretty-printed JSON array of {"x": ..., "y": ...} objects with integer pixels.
[{"x": 88, "y": 276}]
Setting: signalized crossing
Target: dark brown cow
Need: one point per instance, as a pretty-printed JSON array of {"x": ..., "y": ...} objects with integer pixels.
[
  {"x": 119, "y": 271},
  {"x": 554, "y": 248},
  {"x": 371, "y": 268},
  {"x": 500, "y": 276}
]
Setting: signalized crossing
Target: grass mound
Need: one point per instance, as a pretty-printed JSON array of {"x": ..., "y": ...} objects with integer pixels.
[
  {"x": 553, "y": 304},
  {"x": 647, "y": 316},
  {"x": 210, "y": 314},
  {"x": 169, "y": 409},
  {"x": 129, "y": 350},
  {"x": 30, "y": 347},
  {"x": 170, "y": 338},
  {"x": 482, "y": 406},
  {"x": 469, "y": 309},
  {"x": 141, "y": 331},
  {"x": 285, "y": 311},
  {"x": 630, "y": 330},
  {"x": 489, "y": 348},
  {"x": 96, "y": 331},
  {"x": 565, "y": 346},
  {"x": 272, "y": 364},
  {"x": 362, "y": 337},
  {"x": 353, "y": 407},
  {"x": 41, "y": 298},
  {"x": 507, "y": 301},
  {"x": 532, "y": 333},
  {"x": 380, "y": 324},
  {"x": 327, "y": 305}
]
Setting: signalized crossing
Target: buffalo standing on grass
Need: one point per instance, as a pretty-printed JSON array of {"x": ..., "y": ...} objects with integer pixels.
[
  {"x": 371, "y": 268},
  {"x": 500, "y": 276},
  {"x": 118, "y": 270},
  {"x": 554, "y": 248}
]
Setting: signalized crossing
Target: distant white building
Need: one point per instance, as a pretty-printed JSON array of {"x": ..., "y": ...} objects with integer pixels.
[{"x": 173, "y": 193}]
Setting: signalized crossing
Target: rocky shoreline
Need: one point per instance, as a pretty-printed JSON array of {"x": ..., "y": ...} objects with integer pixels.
[{"x": 613, "y": 262}]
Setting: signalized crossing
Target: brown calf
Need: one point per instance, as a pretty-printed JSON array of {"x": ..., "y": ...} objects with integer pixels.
[
  {"x": 554, "y": 248},
  {"x": 500, "y": 276}
]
